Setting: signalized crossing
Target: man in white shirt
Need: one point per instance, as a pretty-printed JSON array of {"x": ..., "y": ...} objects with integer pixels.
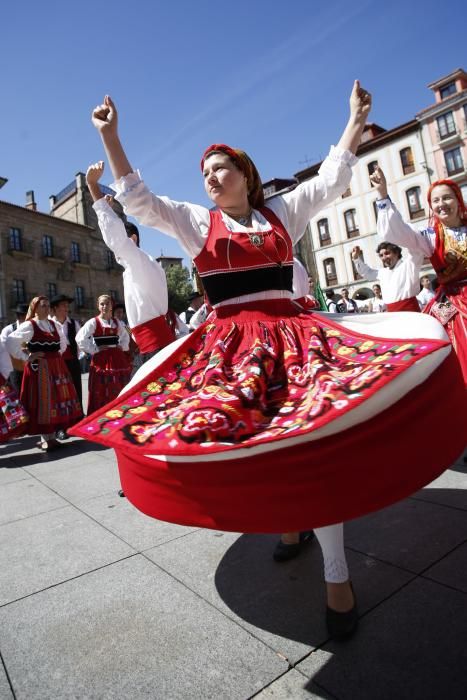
[
  {"x": 16, "y": 376},
  {"x": 144, "y": 281},
  {"x": 347, "y": 305},
  {"x": 195, "y": 302},
  {"x": 377, "y": 305},
  {"x": 398, "y": 277},
  {"x": 426, "y": 293},
  {"x": 59, "y": 307}
]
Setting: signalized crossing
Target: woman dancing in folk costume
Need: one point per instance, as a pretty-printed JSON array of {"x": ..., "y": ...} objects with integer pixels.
[
  {"x": 13, "y": 416},
  {"x": 444, "y": 241},
  {"x": 47, "y": 390},
  {"x": 144, "y": 280},
  {"x": 235, "y": 426},
  {"x": 106, "y": 340}
]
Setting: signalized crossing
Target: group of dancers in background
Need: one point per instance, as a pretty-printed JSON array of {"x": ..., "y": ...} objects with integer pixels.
[{"x": 262, "y": 418}]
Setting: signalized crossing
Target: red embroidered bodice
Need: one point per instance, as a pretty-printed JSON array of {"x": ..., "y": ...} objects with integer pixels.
[{"x": 233, "y": 263}]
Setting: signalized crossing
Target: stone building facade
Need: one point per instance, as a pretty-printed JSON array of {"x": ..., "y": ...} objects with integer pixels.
[{"x": 45, "y": 254}]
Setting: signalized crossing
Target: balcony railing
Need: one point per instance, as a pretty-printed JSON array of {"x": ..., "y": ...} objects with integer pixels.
[
  {"x": 353, "y": 232},
  {"x": 409, "y": 168},
  {"x": 449, "y": 137},
  {"x": 53, "y": 253},
  {"x": 455, "y": 172},
  {"x": 22, "y": 246},
  {"x": 81, "y": 259}
]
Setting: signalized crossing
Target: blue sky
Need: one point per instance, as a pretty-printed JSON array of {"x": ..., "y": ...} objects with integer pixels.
[{"x": 271, "y": 78}]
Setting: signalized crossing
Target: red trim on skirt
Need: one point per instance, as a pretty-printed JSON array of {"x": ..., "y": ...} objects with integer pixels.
[{"x": 337, "y": 478}]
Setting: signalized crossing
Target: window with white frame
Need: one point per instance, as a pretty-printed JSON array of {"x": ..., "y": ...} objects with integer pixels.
[
  {"x": 323, "y": 231},
  {"x": 330, "y": 271},
  {"x": 407, "y": 161},
  {"x": 356, "y": 276},
  {"x": 371, "y": 169},
  {"x": 350, "y": 218},
  {"x": 446, "y": 90},
  {"x": 453, "y": 160},
  {"x": 446, "y": 125},
  {"x": 414, "y": 203}
]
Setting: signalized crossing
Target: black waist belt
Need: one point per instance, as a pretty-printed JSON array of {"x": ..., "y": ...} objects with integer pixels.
[
  {"x": 106, "y": 341},
  {"x": 226, "y": 285},
  {"x": 44, "y": 347}
]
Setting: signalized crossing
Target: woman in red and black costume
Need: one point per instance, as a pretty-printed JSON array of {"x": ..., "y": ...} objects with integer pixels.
[
  {"x": 107, "y": 340},
  {"x": 444, "y": 241},
  {"x": 47, "y": 390},
  {"x": 235, "y": 426}
]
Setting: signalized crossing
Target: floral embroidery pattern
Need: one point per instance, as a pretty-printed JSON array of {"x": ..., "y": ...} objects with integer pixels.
[{"x": 251, "y": 383}]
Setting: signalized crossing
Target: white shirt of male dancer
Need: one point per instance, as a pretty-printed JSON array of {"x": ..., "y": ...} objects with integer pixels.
[
  {"x": 144, "y": 281},
  {"x": 399, "y": 277}
]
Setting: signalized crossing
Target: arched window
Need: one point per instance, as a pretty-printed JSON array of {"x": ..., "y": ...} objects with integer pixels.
[
  {"x": 350, "y": 218},
  {"x": 330, "y": 271},
  {"x": 414, "y": 203},
  {"x": 323, "y": 231},
  {"x": 371, "y": 168},
  {"x": 356, "y": 276},
  {"x": 407, "y": 161}
]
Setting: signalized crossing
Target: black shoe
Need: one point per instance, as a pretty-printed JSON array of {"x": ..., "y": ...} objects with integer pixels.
[
  {"x": 121, "y": 493},
  {"x": 342, "y": 625},
  {"x": 284, "y": 552},
  {"x": 61, "y": 435}
]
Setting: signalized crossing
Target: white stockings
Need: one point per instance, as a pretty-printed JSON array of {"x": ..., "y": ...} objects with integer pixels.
[{"x": 331, "y": 541}]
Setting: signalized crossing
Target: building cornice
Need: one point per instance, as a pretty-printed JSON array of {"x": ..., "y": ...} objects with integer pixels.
[
  {"x": 440, "y": 107},
  {"x": 373, "y": 144},
  {"x": 56, "y": 219}
]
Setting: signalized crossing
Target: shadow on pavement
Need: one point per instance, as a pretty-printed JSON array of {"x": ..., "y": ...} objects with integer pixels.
[{"x": 408, "y": 565}]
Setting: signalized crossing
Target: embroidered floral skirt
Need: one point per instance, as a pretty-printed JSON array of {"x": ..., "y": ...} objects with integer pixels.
[
  {"x": 13, "y": 415},
  {"x": 451, "y": 311},
  {"x": 49, "y": 396},
  {"x": 109, "y": 373},
  {"x": 261, "y": 420}
]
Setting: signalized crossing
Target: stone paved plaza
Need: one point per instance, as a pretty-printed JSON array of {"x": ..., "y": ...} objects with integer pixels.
[{"x": 99, "y": 601}]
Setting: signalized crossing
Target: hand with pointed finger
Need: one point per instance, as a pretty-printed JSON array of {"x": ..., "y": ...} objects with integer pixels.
[
  {"x": 105, "y": 117},
  {"x": 360, "y": 101},
  {"x": 94, "y": 173},
  {"x": 378, "y": 180}
]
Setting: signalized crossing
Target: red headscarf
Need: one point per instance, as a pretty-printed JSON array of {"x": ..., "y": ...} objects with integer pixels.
[
  {"x": 434, "y": 221},
  {"x": 244, "y": 163}
]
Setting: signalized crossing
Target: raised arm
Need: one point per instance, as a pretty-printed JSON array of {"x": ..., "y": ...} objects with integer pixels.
[
  {"x": 296, "y": 208},
  {"x": 364, "y": 270},
  {"x": 391, "y": 227},
  {"x": 105, "y": 119},
  {"x": 360, "y": 105}
]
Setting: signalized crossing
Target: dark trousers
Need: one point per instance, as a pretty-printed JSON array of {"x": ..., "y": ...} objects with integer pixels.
[
  {"x": 74, "y": 369},
  {"x": 15, "y": 379}
]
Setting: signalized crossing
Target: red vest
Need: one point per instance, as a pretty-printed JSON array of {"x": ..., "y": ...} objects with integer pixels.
[{"x": 235, "y": 263}]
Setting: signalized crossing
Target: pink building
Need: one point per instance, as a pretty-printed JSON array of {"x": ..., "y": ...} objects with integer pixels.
[{"x": 444, "y": 129}]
